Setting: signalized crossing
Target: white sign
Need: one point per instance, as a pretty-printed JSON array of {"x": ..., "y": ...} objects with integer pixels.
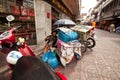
[{"x": 10, "y": 18}]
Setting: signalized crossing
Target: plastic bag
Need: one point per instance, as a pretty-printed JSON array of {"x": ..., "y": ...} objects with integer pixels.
[{"x": 50, "y": 57}]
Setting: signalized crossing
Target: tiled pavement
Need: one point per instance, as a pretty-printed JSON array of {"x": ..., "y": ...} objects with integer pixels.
[{"x": 103, "y": 63}]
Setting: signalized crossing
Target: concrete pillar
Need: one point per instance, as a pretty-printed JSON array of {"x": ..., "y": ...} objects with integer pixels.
[{"x": 42, "y": 21}]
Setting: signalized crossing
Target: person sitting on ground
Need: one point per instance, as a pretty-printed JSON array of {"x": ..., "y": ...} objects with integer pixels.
[{"x": 52, "y": 39}]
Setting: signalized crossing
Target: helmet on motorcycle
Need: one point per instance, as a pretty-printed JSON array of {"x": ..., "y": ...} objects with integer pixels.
[{"x": 13, "y": 56}]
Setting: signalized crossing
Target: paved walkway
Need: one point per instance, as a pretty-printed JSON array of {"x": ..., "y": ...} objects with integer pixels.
[{"x": 103, "y": 63}]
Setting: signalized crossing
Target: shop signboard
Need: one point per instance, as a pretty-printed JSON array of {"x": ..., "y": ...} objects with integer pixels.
[
  {"x": 28, "y": 3},
  {"x": 25, "y": 4},
  {"x": 24, "y": 11},
  {"x": 31, "y": 12},
  {"x": 24, "y": 18},
  {"x": 16, "y": 9},
  {"x": 31, "y": 1},
  {"x": 31, "y": 5}
]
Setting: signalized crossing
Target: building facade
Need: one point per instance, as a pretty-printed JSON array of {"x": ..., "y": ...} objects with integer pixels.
[
  {"x": 108, "y": 12},
  {"x": 23, "y": 11},
  {"x": 48, "y": 11},
  {"x": 37, "y": 16}
]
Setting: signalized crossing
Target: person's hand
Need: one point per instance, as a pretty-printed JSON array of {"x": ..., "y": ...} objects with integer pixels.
[{"x": 47, "y": 38}]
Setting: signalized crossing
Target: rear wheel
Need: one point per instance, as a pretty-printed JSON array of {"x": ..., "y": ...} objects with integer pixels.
[{"x": 90, "y": 43}]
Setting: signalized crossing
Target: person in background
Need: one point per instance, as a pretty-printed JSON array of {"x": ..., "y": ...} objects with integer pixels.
[
  {"x": 112, "y": 27},
  {"x": 93, "y": 23}
]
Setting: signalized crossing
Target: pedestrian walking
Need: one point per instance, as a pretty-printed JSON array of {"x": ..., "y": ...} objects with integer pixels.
[
  {"x": 112, "y": 27},
  {"x": 93, "y": 23}
]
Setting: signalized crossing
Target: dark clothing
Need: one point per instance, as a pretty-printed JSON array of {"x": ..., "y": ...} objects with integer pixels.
[{"x": 51, "y": 40}]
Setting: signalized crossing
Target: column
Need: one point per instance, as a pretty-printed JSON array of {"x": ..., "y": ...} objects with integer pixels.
[{"x": 42, "y": 21}]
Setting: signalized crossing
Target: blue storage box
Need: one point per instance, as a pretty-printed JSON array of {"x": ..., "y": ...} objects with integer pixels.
[{"x": 67, "y": 36}]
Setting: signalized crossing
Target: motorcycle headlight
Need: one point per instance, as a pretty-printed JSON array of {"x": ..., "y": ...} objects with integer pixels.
[{"x": 21, "y": 40}]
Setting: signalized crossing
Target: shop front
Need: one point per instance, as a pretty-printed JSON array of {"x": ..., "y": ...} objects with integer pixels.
[
  {"x": 106, "y": 19},
  {"x": 24, "y": 15},
  {"x": 117, "y": 18},
  {"x": 46, "y": 14},
  {"x": 60, "y": 8}
]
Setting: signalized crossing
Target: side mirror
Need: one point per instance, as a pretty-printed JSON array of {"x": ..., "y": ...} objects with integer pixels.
[{"x": 9, "y": 19}]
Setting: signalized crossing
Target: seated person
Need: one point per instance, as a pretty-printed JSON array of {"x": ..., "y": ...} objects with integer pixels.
[
  {"x": 52, "y": 39},
  {"x": 51, "y": 42}
]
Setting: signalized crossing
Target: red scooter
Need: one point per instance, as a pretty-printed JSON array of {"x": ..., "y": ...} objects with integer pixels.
[{"x": 16, "y": 49}]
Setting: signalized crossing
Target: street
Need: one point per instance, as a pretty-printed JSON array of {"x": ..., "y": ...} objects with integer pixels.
[
  {"x": 100, "y": 63},
  {"x": 32, "y": 21}
]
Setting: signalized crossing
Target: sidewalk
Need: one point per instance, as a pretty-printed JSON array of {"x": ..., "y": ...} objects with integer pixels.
[
  {"x": 3, "y": 64},
  {"x": 103, "y": 63}
]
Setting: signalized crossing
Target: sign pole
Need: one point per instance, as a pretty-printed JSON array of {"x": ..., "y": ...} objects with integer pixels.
[{"x": 8, "y": 23}]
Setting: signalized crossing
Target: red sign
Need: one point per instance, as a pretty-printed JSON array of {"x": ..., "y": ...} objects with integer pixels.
[
  {"x": 31, "y": 12},
  {"x": 24, "y": 18},
  {"x": 48, "y": 15},
  {"x": 53, "y": 17},
  {"x": 24, "y": 11},
  {"x": 16, "y": 9}
]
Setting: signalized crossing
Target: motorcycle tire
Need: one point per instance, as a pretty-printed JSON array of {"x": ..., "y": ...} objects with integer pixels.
[{"x": 90, "y": 43}]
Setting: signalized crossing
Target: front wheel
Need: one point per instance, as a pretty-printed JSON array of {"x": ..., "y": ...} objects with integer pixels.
[{"x": 90, "y": 43}]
